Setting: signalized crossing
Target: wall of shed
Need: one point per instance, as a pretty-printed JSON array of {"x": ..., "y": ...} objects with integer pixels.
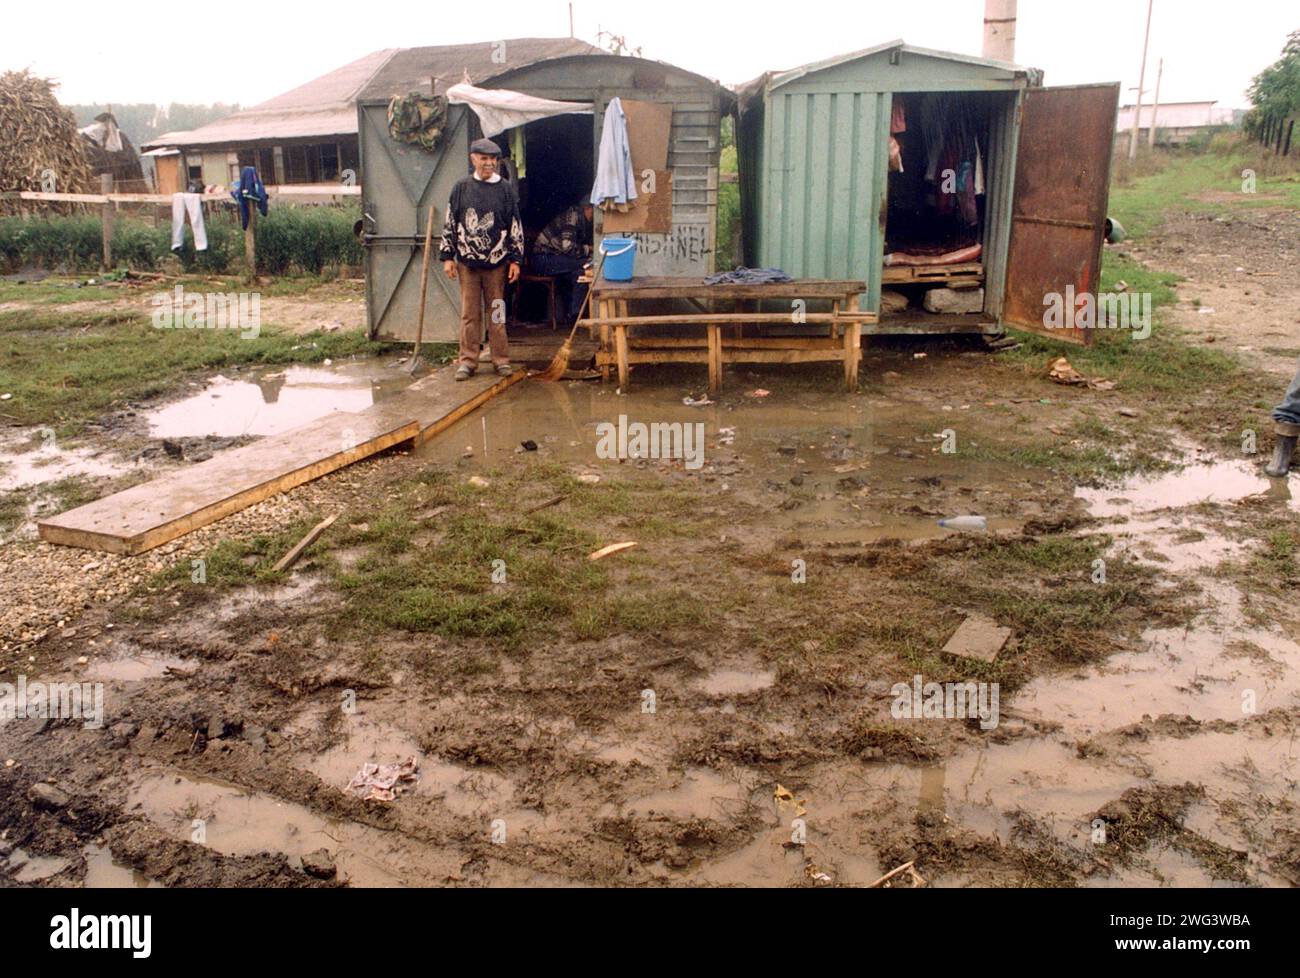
[
  {"x": 694, "y": 146},
  {"x": 819, "y": 155},
  {"x": 400, "y": 182}
]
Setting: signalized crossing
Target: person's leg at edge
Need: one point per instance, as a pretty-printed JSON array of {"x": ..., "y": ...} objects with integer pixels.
[
  {"x": 1287, "y": 428},
  {"x": 471, "y": 317}
]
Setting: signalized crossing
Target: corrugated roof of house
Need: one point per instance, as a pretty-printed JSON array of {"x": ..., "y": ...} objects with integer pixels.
[
  {"x": 411, "y": 68},
  {"x": 326, "y": 106}
]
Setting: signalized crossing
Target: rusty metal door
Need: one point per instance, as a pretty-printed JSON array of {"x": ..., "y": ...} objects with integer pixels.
[
  {"x": 1058, "y": 209},
  {"x": 399, "y": 183}
]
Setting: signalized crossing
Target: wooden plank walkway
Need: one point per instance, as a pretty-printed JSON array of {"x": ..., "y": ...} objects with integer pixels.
[{"x": 151, "y": 514}]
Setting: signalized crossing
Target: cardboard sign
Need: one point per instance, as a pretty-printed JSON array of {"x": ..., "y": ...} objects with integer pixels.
[
  {"x": 649, "y": 125},
  {"x": 651, "y": 213}
]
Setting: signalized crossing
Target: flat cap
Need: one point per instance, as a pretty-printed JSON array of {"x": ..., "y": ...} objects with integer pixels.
[{"x": 485, "y": 146}]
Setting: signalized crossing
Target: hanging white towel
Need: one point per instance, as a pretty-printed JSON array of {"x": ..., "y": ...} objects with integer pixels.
[
  {"x": 979, "y": 171},
  {"x": 191, "y": 204},
  {"x": 501, "y": 109},
  {"x": 615, "y": 182}
]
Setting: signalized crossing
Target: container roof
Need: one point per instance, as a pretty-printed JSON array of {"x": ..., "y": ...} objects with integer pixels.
[{"x": 775, "y": 79}]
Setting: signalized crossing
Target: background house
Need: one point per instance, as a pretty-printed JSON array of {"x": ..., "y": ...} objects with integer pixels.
[
  {"x": 1177, "y": 122},
  {"x": 309, "y": 135}
]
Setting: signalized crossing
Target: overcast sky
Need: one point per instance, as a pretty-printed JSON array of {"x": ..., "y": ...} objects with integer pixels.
[{"x": 166, "y": 54}]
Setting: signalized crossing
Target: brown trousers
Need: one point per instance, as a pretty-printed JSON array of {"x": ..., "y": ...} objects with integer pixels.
[{"x": 482, "y": 292}]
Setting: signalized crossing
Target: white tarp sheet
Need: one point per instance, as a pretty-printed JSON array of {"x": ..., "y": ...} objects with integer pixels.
[{"x": 499, "y": 109}]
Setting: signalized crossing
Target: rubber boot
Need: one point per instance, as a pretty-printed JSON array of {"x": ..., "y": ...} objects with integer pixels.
[{"x": 1283, "y": 449}]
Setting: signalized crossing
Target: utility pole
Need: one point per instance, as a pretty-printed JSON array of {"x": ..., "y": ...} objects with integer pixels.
[
  {"x": 1142, "y": 74},
  {"x": 570, "y": 20},
  {"x": 1155, "y": 106}
]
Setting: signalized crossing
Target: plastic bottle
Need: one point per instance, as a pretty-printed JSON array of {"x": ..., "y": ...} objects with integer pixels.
[{"x": 965, "y": 523}]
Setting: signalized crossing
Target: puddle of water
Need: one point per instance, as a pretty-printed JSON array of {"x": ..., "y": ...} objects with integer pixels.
[
  {"x": 363, "y": 742},
  {"x": 701, "y": 793},
  {"x": 628, "y": 749},
  {"x": 853, "y": 461},
  {"x": 33, "y": 869},
  {"x": 133, "y": 668},
  {"x": 1191, "y": 671},
  {"x": 272, "y": 401},
  {"x": 462, "y": 790},
  {"x": 103, "y": 872},
  {"x": 1212, "y": 482},
  {"x": 27, "y": 459},
  {"x": 1173, "y": 542},
  {"x": 246, "y": 823},
  {"x": 736, "y": 682}
]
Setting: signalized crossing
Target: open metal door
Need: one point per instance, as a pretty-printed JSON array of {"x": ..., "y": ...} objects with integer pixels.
[
  {"x": 1058, "y": 208},
  {"x": 399, "y": 183}
]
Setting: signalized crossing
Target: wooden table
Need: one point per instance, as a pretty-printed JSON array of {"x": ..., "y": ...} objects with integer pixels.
[{"x": 834, "y": 335}]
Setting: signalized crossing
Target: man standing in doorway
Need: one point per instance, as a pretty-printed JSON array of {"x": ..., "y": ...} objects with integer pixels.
[{"x": 482, "y": 246}]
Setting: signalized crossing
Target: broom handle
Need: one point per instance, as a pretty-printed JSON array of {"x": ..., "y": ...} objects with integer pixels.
[
  {"x": 424, "y": 282},
  {"x": 586, "y": 299}
]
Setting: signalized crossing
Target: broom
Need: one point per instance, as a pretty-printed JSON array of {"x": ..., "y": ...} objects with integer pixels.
[{"x": 560, "y": 365}]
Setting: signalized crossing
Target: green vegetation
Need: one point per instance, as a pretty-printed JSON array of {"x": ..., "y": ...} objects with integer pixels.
[
  {"x": 728, "y": 227},
  {"x": 434, "y": 574},
  {"x": 307, "y": 240}
]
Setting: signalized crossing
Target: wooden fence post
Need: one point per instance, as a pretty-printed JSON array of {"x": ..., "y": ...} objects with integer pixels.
[
  {"x": 250, "y": 241},
  {"x": 106, "y": 219}
]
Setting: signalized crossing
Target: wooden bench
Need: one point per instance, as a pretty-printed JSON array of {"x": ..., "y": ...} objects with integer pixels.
[{"x": 824, "y": 336}]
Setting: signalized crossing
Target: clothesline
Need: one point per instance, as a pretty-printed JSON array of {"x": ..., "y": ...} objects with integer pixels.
[{"x": 304, "y": 190}]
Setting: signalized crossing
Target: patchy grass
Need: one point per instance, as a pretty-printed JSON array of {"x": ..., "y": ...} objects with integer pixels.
[
  {"x": 1210, "y": 183},
  {"x": 64, "y": 369},
  {"x": 63, "y": 289},
  {"x": 1161, "y": 364}
]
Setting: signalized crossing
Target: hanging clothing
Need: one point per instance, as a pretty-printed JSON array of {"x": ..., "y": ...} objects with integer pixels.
[
  {"x": 191, "y": 204},
  {"x": 897, "y": 120},
  {"x": 501, "y": 109},
  {"x": 418, "y": 119},
  {"x": 248, "y": 190},
  {"x": 615, "y": 182},
  {"x": 932, "y": 133},
  {"x": 979, "y": 171}
]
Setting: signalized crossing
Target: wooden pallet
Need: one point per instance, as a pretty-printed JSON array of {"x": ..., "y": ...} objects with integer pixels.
[
  {"x": 967, "y": 272},
  {"x": 153, "y": 513}
]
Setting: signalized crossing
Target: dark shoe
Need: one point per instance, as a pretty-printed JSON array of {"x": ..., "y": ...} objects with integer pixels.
[
  {"x": 505, "y": 369},
  {"x": 1283, "y": 449},
  {"x": 464, "y": 373}
]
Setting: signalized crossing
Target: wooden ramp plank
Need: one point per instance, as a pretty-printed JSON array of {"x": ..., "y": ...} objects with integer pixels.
[{"x": 153, "y": 513}]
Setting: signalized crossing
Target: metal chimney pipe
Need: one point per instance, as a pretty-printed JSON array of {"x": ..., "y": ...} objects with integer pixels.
[{"x": 1000, "y": 30}]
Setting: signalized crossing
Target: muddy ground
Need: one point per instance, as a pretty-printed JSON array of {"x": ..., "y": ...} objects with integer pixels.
[{"x": 694, "y": 711}]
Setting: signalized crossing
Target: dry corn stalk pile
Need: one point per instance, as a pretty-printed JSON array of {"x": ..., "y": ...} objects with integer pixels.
[{"x": 39, "y": 135}]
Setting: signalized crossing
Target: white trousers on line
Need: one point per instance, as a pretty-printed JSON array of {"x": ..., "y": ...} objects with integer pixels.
[{"x": 191, "y": 204}]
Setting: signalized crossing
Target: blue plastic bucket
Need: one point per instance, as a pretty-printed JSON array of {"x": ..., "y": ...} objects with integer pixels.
[{"x": 620, "y": 255}]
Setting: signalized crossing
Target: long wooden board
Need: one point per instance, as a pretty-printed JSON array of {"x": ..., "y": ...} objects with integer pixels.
[{"x": 153, "y": 513}]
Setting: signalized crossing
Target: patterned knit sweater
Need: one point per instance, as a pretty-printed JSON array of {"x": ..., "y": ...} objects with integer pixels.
[{"x": 482, "y": 228}]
